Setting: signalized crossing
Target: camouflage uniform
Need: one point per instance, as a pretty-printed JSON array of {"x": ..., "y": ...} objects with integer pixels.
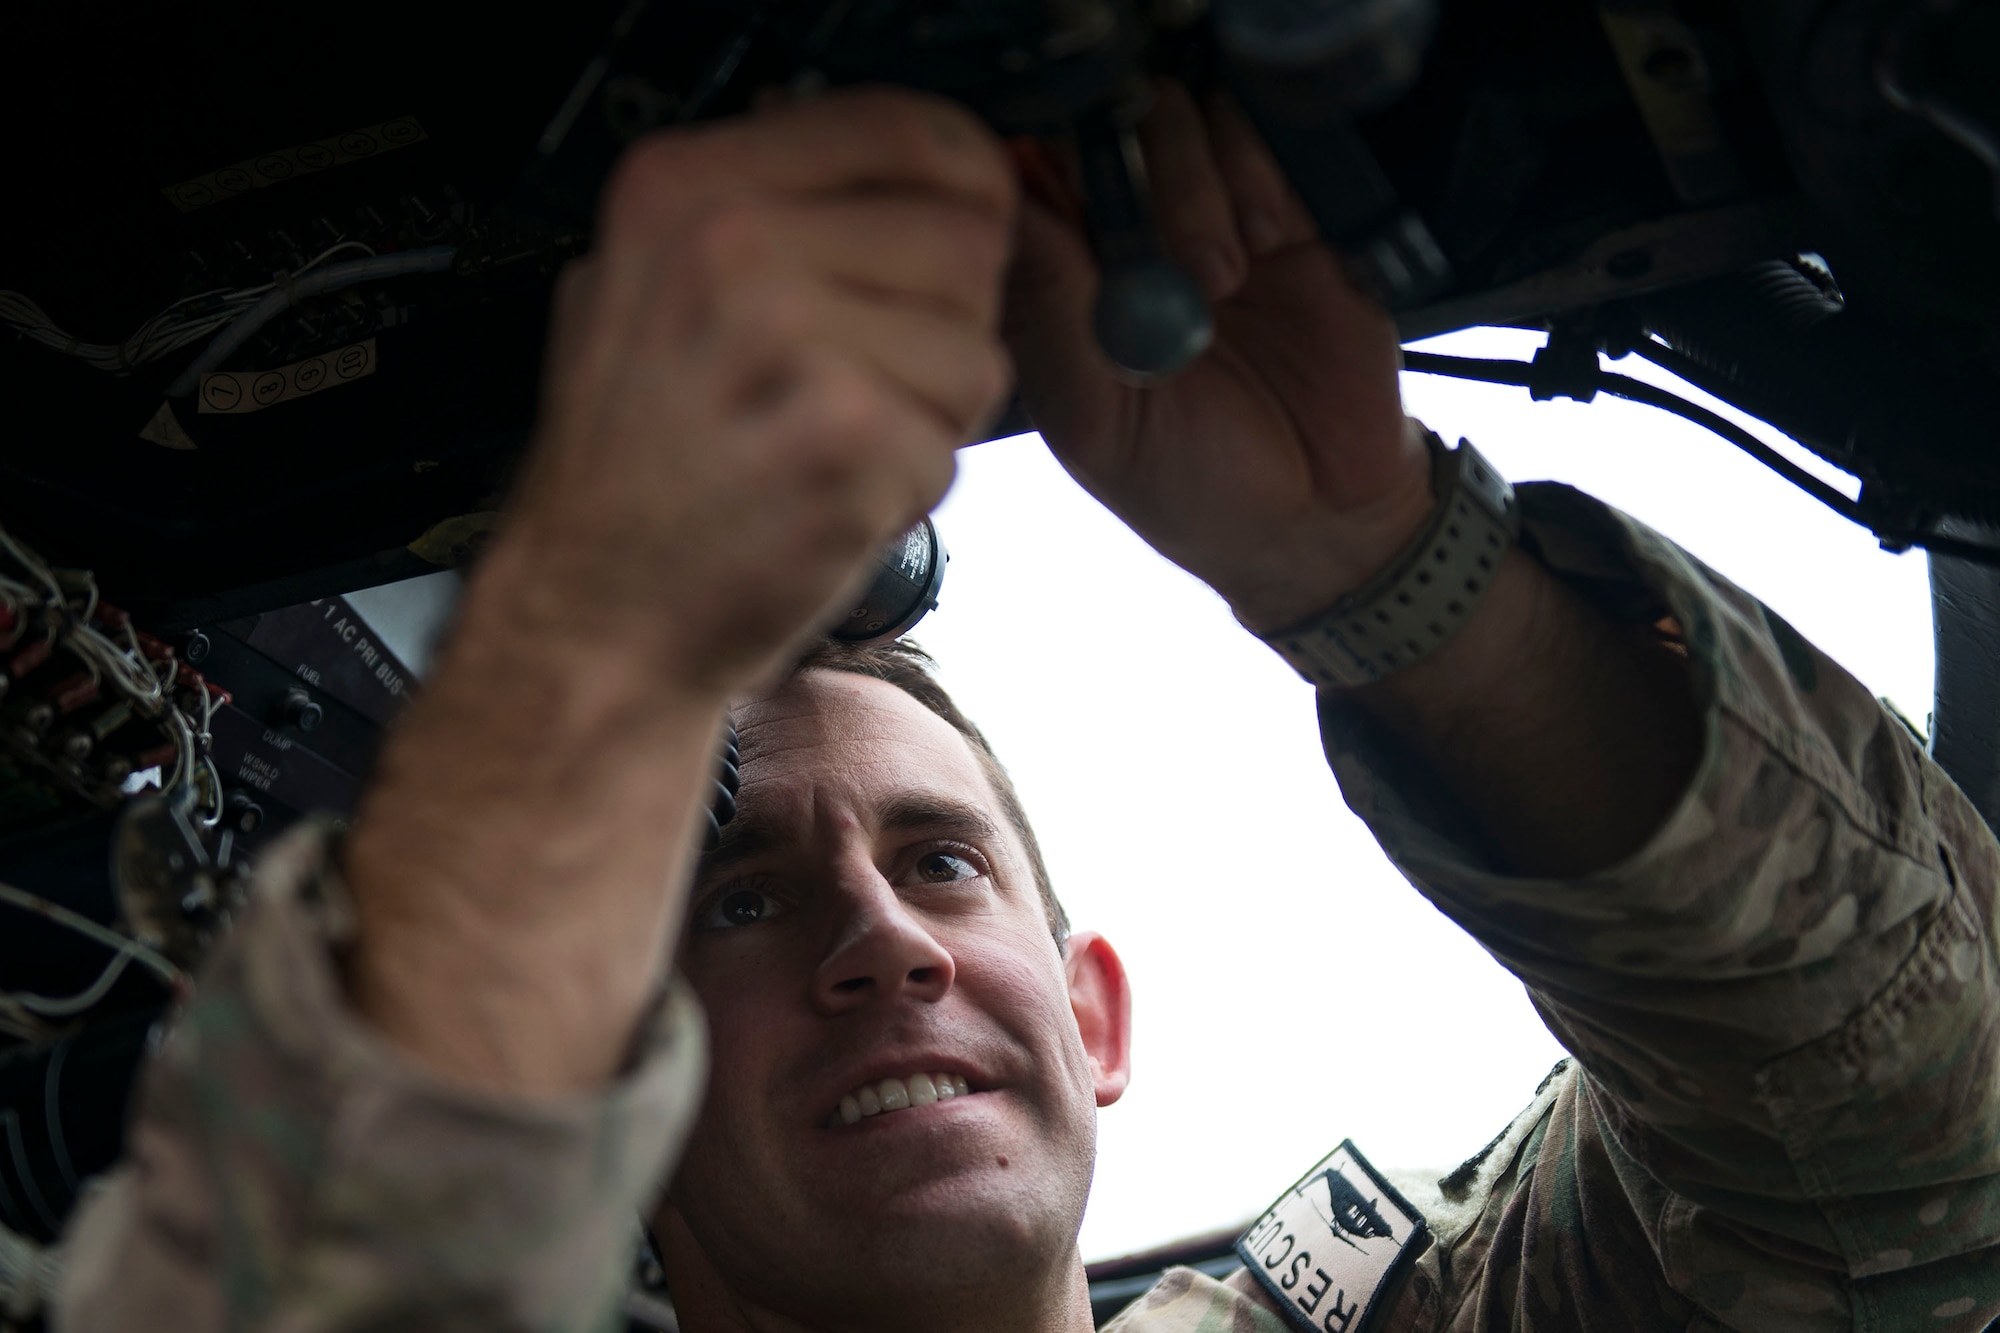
[
  {"x": 1783, "y": 1114},
  {"x": 1784, "y": 1108},
  {"x": 288, "y": 1171}
]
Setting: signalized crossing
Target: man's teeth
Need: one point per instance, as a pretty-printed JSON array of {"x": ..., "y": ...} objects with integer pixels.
[{"x": 895, "y": 1094}]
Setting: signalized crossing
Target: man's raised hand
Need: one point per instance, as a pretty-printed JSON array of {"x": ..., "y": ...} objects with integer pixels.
[
  {"x": 1279, "y": 467},
  {"x": 758, "y": 376}
]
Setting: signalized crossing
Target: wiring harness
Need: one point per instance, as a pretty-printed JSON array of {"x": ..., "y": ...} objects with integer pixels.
[
  {"x": 91, "y": 709},
  {"x": 286, "y": 294},
  {"x": 89, "y": 701},
  {"x": 184, "y": 322},
  {"x": 94, "y": 708},
  {"x": 100, "y": 710},
  {"x": 1557, "y": 372}
]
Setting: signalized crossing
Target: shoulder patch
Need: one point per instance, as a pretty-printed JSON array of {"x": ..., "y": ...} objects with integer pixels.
[{"x": 1330, "y": 1249}]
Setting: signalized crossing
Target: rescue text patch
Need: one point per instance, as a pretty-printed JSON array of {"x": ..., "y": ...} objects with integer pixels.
[{"x": 1330, "y": 1249}]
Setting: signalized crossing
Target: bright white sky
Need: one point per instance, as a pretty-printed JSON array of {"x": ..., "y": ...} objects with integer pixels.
[{"x": 1291, "y": 990}]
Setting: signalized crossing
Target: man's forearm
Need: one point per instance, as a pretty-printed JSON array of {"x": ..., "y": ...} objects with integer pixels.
[
  {"x": 1778, "y": 998},
  {"x": 517, "y": 864},
  {"x": 758, "y": 375},
  {"x": 1567, "y": 736}
]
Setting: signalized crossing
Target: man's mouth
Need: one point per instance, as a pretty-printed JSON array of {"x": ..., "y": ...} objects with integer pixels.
[{"x": 897, "y": 1094}]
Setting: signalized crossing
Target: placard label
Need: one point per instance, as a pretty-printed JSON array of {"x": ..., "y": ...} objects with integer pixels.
[
  {"x": 234, "y": 392},
  {"x": 254, "y": 173}
]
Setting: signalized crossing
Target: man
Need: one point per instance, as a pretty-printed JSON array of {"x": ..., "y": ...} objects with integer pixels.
[
  {"x": 432, "y": 1078},
  {"x": 916, "y": 1047}
]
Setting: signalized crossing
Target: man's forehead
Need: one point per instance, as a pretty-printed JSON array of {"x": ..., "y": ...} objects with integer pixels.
[
  {"x": 830, "y": 726},
  {"x": 827, "y": 749}
]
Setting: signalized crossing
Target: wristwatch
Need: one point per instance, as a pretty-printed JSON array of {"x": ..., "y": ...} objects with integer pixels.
[{"x": 1426, "y": 593}]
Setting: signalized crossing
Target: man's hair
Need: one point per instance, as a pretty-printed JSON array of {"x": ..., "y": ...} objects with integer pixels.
[{"x": 912, "y": 670}]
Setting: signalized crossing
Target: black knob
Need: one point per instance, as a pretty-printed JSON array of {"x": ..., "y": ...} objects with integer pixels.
[
  {"x": 241, "y": 813},
  {"x": 301, "y": 711},
  {"x": 195, "y": 651},
  {"x": 1151, "y": 318}
]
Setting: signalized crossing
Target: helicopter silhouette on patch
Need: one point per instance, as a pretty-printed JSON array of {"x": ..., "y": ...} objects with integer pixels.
[{"x": 1350, "y": 1211}]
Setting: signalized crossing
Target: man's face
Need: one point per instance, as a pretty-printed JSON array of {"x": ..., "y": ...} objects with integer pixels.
[{"x": 870, "y": 916}]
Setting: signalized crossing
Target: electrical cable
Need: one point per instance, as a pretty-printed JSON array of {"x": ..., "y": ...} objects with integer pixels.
[
  {"x": 181, "y": 322},
  {"x": 18, "y": 1149},
  {"x": 52, "y": 1113},
  {"x": 145, "y": 683},
  {"x": 23, "y": 1026},
  {"x": 1670, "y": 359},
  {"x": 150, "y": 959},
  {"x": 68, "y": 1005},
  {"x": 35, "y": 566},
  {"x": 283, "y": 296},
  {"x": 1525, "y": 375}
]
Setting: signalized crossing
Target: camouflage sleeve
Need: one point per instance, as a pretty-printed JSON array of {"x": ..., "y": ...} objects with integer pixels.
[
  {"x": 286, "y": 1169},
  {"x": 1187, "y": 1301},
  {"x": 1784, "y": 1006}
]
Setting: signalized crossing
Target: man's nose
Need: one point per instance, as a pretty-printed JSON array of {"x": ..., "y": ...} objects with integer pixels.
[{"x": 881, "y": 949}]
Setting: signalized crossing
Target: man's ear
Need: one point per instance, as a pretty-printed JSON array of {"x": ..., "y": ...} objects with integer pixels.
[{"x": 1101, "y": 998}]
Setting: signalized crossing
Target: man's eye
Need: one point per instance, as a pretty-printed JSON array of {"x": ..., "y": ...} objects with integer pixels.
[
  {"x": 736, "y": 907},
  {"x": 945, "y": 868}
]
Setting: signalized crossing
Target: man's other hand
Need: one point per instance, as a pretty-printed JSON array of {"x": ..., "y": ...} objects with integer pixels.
[
  {"x": 759, "y": 375},
  {"x": 1279, "y": 468}
]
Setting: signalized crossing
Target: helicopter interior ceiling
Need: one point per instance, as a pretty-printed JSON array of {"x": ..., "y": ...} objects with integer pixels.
[{"x": 274, "y": 278}]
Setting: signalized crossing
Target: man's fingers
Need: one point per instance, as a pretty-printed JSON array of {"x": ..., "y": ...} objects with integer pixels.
[
  {"x": 1269, "y": 214},
  {"x": 881, "y": 447},
  {"x": 1190, "y": 198},
  {"x": 911, "y": 247},
  {"x": 847, "y": 140},
  {"x": 874, "y": 136},
  {"x": 956, "y": 371},
  {"x": 950, "y": 367}
]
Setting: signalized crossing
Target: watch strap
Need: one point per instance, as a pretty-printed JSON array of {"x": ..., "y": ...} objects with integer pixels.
[{"x": 1426, "y": 593}]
